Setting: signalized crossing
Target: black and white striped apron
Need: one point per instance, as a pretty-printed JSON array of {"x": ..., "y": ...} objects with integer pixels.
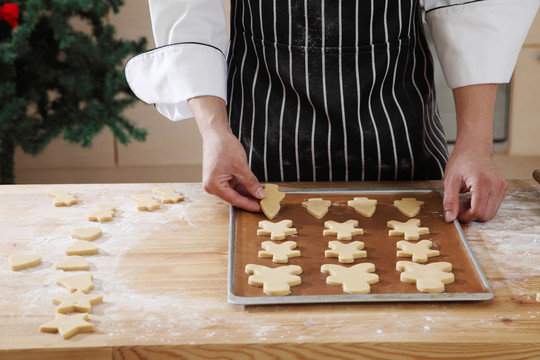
[{"x": 334, "y": 90}]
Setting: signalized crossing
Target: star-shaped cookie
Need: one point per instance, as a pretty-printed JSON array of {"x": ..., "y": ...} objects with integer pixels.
[
  {"x": 168, "y": 195},
  {"x": 62, "y": 197},
  {"x": 344, "y": 231},
  {"x": 68, "y": 325},
  {"x": 77, "y": 301},
  {"x": 410, "y": 229}
]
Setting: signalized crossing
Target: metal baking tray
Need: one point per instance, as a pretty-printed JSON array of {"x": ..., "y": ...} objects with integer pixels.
[{"x": 401, "y": 292}]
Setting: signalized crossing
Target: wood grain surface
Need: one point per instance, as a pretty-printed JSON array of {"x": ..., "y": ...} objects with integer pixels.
[{"x": 163, "y": 277}]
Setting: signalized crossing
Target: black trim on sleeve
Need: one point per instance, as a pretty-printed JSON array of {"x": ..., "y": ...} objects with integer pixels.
[{"x": 451, "y": 5}]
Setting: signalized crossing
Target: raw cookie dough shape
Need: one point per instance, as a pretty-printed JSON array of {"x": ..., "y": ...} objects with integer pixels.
[
  {"x": 275, "y": 281},
  {"x": 77, "y": 301},
  {"x": 102, "y": 213},
  {"x": 168, "y": 195},
  {"x": 76, "y": 282},
  {"x": 344, "y": 231},
  {"x": 317, "y": 207},
  {"x": 410, "y": 229},
  {"x": 68, "y": 325},
  {"x": 62, "y": 197},
  {"x": 71, "y": 263},
  {"x": 280, "y": 253},
  {"x": 420, "y": 252},
  {"x": 23, "y": 261},
  {"x": 270, "y": 204},
  {"x": 276, "y": 231},
  {"x": 88, "y": 234},
  {"x": 346, "y": 253},
  {"x": 146, "y": 202},
  {"x": 429, "y": 278},
  {"x": 82, "y": 247},
  {"x": 363, "y": 206},
  {"x": 409, "y": 206},
  {"x": 355, "y": 279}
]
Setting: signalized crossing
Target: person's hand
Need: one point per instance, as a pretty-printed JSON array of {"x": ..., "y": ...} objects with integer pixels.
[
  {"x": 226, "y": 172},
  {"x": 469, "y": 171}
]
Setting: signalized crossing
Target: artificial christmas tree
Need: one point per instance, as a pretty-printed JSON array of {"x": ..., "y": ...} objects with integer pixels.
[{"x": 58, "y": 81}]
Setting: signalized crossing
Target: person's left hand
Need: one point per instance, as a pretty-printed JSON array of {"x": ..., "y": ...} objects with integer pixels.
[{"x": 474, "y": 172}]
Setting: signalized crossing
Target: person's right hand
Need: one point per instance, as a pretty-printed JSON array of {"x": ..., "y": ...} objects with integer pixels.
[{"x": 226, "y": 172}]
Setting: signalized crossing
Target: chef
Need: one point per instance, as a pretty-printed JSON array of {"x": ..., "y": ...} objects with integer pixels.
[{"x": 317, "y": 90}]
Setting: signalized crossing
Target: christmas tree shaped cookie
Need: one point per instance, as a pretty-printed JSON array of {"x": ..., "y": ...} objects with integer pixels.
[
  {"x": 420, "y": 252},
  {"x": 410, "y": 229},
  {"x": 346, "y": 253},
  {"x": 363, "y": 206},
  {"x": 317, "y": 207},
  {"x": 275, "y": 281},
  {"x": 276, "y": 231},
  {"x": 343, "y": 231},
  {"x": 355, "y": 279},
  {"x": 280, "y": 253},
  {"x": 81, "y": 282},
  {"x": 271, "y": 203},
  {"x": 429, "y": 278},
  {"x": 409, "y": 206}
]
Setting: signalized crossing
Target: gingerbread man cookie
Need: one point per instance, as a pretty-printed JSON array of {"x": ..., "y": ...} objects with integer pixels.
[
  {"x": 409, "y": 206},
  {"x": 420, "y": 252},
  {"x": 280, "y": 253},
  {"x": 276, "y": 231},
  {"x": 429, "y": 278},
  {"x": 275, "y": 281},
  {"x": 102, "y": 213},
  {"x": 355, "y": 279},
  {"x": 146, "y": 202},
  {"x": 410, "y": 229},
  {"x": 270, "y": 204},
  {"x": 62, "y": 197},
  {"x": 363, "y": 206},
  {"x": 168, "y": 195},
  {"x": 317, "y": 207},
  {"x": 346, "y": 253},
  {"x": 344, "y": 231}
]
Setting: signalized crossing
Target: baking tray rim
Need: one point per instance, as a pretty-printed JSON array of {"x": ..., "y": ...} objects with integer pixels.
[{"x": 343, "y": 298}]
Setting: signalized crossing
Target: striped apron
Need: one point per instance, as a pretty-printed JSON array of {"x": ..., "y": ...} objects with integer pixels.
[{"x": 334, "y": 90}]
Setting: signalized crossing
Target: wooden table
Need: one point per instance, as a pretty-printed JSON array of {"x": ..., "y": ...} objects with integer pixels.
[{"x": 163, "y": 276}]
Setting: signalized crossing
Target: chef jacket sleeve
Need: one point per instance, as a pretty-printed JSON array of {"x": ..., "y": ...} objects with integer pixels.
[
  {"x": 478, "y": 42},
  {"x": 189, "y": 60}
]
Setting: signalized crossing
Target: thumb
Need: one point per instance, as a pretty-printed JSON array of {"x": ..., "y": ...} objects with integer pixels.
[
  {"x": 452, "y": 188},
  {"x": 249, "y": 181}
]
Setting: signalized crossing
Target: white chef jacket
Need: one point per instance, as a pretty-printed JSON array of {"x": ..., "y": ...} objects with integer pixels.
[{"x": 476, "y": 41}]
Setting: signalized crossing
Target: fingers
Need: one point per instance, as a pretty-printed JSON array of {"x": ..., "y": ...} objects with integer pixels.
[
  {"x": 484, "y": 202},
  {"x": 452, "y": 188}
]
